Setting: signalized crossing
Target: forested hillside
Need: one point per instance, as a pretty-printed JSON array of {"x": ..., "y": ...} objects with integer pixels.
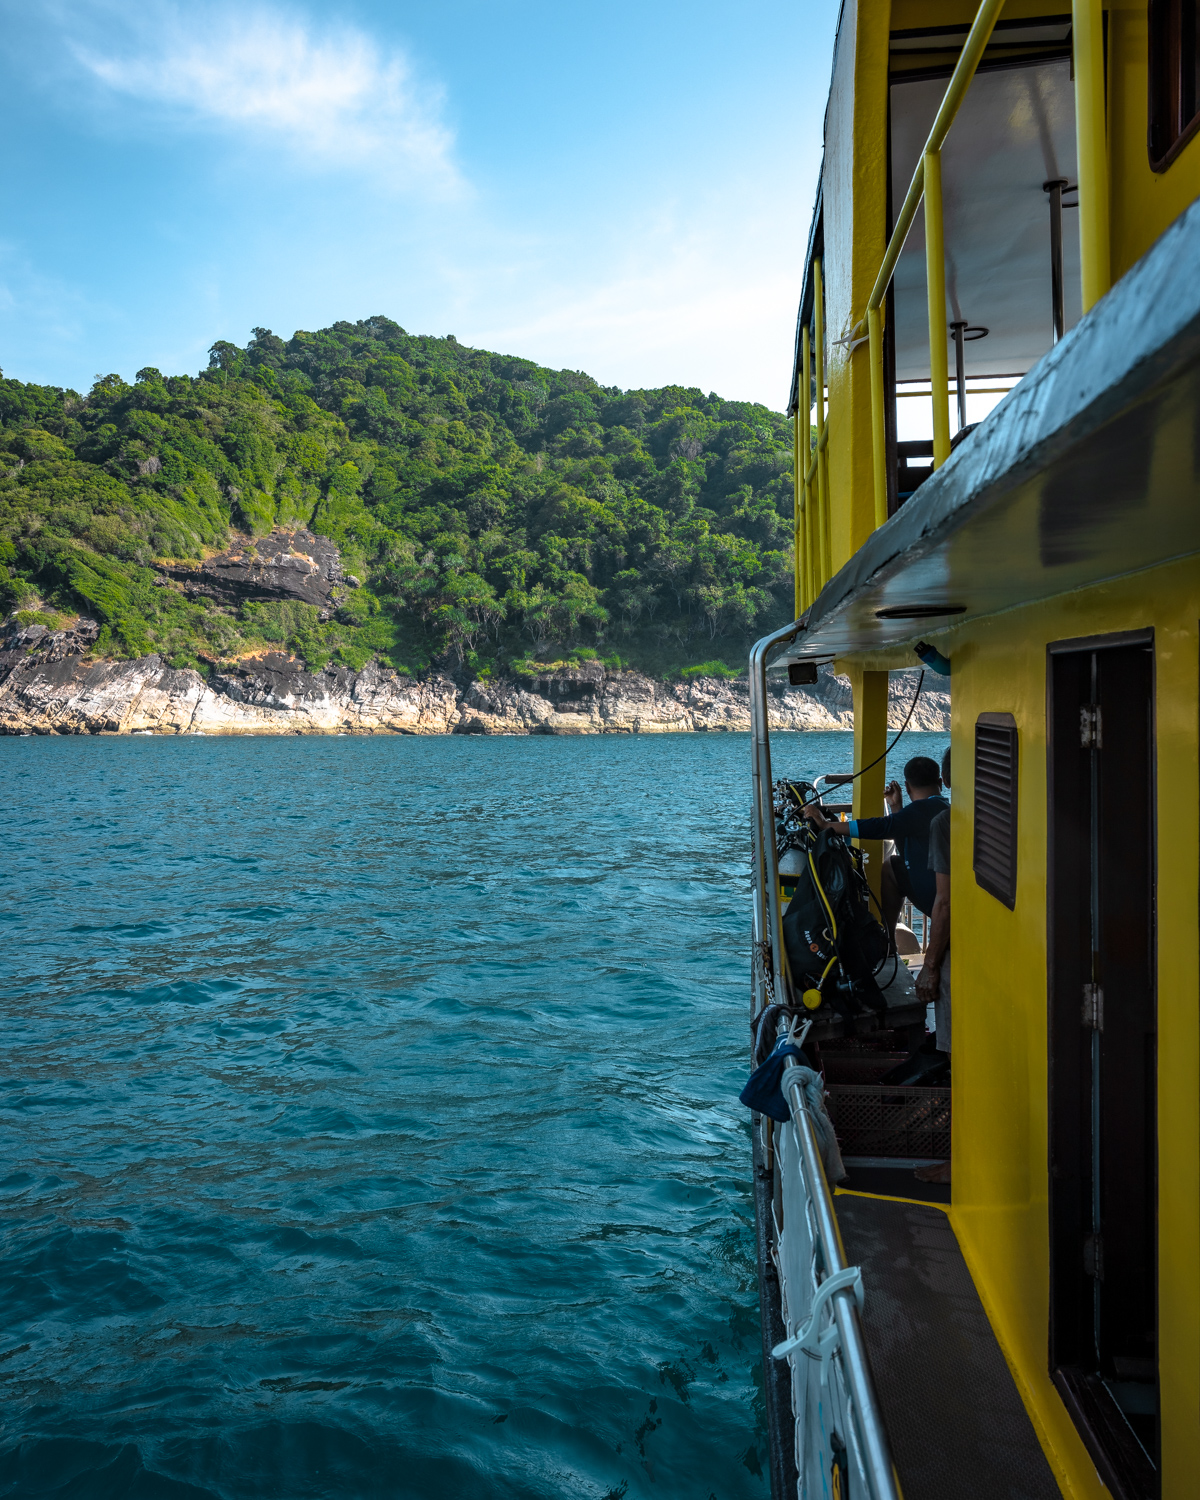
[{"x": 494, "y": 511}]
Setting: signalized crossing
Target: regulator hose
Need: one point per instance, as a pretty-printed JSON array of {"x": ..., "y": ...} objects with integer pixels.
[{"x": 911, "y": 710}]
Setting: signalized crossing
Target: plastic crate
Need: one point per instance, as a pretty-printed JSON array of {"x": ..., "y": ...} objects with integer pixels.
[{"x": 873, "y": 1120}]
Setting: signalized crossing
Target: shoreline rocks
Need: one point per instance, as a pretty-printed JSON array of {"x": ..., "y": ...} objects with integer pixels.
[{"x": 49, "y": 685}]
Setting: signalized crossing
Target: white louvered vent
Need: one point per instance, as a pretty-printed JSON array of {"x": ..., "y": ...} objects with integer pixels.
[{"x": 995, "y": 860}]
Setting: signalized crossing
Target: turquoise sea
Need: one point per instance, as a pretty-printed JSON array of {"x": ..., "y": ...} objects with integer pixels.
[{"x": 370, "y": 1120}]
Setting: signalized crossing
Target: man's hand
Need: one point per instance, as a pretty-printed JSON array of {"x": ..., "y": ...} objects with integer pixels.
[
  {"x": 929, "y": 982},
  {"x": 815, "y": 814},
  {"x": 893, "y": 795}
]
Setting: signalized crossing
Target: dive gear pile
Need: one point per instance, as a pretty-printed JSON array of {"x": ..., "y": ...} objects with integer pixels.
[{"x": 835, "y": 946}]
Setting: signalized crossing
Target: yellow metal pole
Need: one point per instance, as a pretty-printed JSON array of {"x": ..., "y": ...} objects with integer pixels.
[
  {"x": 810, "y": 541},
  {"x": 797, "y": 517},
  {"x": 810, "y": 565},
  {"x": 878, "y": 437},
  {"x": 956, "y": 91},
  {"x": 1087, "y": 30},
  {"x": 935, "y": 278},
  {"x": 826, "y": 570},
  {"x": 827, "y": 504},
  {"x": 870, "y": 741}
]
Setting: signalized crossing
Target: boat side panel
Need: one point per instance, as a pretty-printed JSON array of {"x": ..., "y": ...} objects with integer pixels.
[{"x": 999, "y": 983}]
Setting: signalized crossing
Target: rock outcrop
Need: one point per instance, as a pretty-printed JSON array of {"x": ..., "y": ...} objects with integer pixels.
[
  {"x": 284, "y": 565},
  {"x": 50, "y": 685}
]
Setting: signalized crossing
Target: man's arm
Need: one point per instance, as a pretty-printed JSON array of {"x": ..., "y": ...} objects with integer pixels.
[
  {"x": 929, "y": 981},
  {"x": 893, "y": 825}
]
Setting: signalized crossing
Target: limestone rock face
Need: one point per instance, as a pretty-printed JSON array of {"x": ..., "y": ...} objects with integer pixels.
[
  {"x": 284, "y": 565},
  {"x": 49, "y": 685},
  {"x": 43, "y": 691}
]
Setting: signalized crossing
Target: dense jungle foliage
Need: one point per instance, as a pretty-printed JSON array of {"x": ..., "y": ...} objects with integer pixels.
[{"x": 495, "y": 510}]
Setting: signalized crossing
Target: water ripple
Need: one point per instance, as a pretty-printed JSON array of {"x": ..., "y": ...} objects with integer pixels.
[{"x": 369, "y": 1118}]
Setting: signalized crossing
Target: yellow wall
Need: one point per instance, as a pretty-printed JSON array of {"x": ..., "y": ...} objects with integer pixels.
[
  {"x": 999, "y": 987},
  {"x": 999, "y": 957},
  {"x": 1142, "y": 203}
]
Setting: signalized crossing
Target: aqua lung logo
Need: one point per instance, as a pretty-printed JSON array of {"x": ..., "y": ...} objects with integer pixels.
[{"x": 817, "y": 943}]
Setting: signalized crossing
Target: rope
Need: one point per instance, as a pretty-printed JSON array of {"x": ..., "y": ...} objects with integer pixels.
[{"x": 911, "y": 709}]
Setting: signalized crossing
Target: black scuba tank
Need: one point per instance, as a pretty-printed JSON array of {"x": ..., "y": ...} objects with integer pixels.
[{"x": 833, "y": 941}]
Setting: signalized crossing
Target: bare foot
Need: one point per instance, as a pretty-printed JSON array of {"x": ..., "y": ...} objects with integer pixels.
[{"x": 940, "y": 1173}]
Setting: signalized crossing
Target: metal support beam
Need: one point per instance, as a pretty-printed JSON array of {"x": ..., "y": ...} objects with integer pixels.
[
  {"x": 878, "y": 434},
  {"x": 810, "y": 531},
  {"x": 870, "y": 691},
  {"x": 823, "y": 517},
  {"x": 798, "y": 461},
  {"x": 768, "y": 915},
  {"x": 1057, "y": 300},
  {"x": 1087, "y": 32},
  {"x": 935, "y": 276},
  {"x": 957, "y": 331}
]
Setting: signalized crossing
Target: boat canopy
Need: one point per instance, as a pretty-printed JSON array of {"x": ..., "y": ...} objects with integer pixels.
[{"x": 1059, "y": 488}]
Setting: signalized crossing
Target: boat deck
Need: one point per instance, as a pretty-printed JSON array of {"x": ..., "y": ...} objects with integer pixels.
[{"x": 956, "y": 1421}]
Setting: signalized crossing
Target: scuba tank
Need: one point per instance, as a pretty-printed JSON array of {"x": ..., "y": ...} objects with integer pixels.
[{"x": 835, "y": 946}]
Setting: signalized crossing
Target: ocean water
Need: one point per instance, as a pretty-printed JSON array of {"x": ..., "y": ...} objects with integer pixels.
[{"x": 369, "y": 1117}]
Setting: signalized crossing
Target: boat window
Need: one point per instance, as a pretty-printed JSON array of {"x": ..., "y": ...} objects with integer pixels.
[{"x": 1174, "y": 79}]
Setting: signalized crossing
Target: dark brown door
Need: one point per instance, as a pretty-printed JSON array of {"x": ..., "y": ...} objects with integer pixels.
[{"x": 1103, "y": 1188}]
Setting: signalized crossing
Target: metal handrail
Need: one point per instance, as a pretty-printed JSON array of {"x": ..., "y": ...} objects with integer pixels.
[
  {"x": 881, "y": 1471},
  {"x": 768, "y": 917},
  {"x": 768, "y": 934}
]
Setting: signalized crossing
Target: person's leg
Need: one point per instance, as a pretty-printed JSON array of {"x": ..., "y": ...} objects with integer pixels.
[
  {"x": 941, "y": 1006},
  {"x": 891, "y": 898},
  {"x": 941, "y": 1011}
]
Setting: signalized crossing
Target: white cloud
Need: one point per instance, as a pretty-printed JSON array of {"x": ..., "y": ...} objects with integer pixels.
[{"x": 333, "y": 98}]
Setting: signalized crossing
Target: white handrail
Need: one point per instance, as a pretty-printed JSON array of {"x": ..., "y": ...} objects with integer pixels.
[
  {"x": 876, "y": 1451},
  {"x": 869, "y": 1436}
]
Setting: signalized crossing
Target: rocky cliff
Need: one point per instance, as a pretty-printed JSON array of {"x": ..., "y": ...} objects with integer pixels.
[
  {"x": 292, "y": 565},
  {"x": 50, "y": 684}
]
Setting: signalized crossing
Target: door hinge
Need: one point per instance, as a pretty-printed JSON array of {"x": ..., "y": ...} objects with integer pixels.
[
  {"x": 1090, "y": 729},
  {"x": 1093, "y": 1256},
  {"x": 1093, "y": 1007}
]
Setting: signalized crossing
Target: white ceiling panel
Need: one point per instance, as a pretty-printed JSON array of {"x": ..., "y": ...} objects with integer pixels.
[{"x": 1014, "y": 132}]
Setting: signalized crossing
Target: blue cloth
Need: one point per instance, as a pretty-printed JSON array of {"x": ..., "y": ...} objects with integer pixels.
[
  {"x": 909, "y": 828},
  {"x": 763, "y": 1090}
]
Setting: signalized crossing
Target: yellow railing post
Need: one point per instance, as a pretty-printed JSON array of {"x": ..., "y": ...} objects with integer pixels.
[
  {"x": 810, "y": 563},
  {"x": 1087, "y": 30},
  {"x": 797, "y": 512},
  {"x": 878, "y": 436},
  {"x": 823, "y": 518},
  {"x": 935, "y": 277},
  {"x": 920, "y": 186}
]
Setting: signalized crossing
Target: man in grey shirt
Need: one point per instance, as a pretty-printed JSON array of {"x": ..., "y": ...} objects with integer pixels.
[{"x": 933, "y": 983}]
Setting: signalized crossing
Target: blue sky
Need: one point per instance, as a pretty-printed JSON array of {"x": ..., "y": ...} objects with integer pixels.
[{"x": 623, "y": 189}]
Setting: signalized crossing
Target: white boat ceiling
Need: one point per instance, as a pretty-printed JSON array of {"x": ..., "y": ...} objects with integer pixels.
[{"x": 1014, "y": 132}]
